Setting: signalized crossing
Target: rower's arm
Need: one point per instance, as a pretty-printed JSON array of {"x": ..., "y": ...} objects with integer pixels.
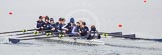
[
  {"x": 64, "y": 27},
  {"x": 73, "y": 30}
]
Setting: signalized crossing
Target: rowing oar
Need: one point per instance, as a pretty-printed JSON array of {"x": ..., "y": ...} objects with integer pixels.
[
  {"x": 133, "y": 37},
  {"x": 16, "y": 40},
  {"x": 12, "y": 40},
  {"x": 18, "y": 31},
  {"x": 33, "y": 32},
  {"x": 110, "y": 34},
  {"x": 39, "y": 34}
]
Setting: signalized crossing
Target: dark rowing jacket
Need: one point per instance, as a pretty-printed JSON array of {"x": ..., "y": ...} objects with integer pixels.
[
  {"x": 40, "y": 24},
  {"x": 77, "y": 29},
  {"x": 59, "y": 26},
  {"x": 94, "y": 34},
  {"x": 46, "y": 26},
  {"x": 69, "y": 27},
  {"x": 84, "y": 31},
  {"x": 52, "y": 25},
  {"x": 93, "y": 29}
]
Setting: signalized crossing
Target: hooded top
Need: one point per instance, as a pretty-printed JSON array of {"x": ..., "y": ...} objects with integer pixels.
[{"x": 72, "y": 20}]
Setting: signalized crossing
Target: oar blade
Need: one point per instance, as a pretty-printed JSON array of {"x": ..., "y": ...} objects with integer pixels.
[{"x": 14, "y": 41}]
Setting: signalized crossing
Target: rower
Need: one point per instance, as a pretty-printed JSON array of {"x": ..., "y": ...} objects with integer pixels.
[
  {"x": 63, "y": 29},
  {"x": 46, "y": 25},
  {"x": 69, "y": 26},
  {"x": 60, "y": 25},
  {"x": 52, "y": 25},
  {"x": 84, "y": 30},
  {"x": 93, "y": 33},
  {"x": 40, "y": 23},
  {"x": 75, "y": 29},
  {"x": 72, "y": 28},
  {"x": 78, "y": 26}
]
